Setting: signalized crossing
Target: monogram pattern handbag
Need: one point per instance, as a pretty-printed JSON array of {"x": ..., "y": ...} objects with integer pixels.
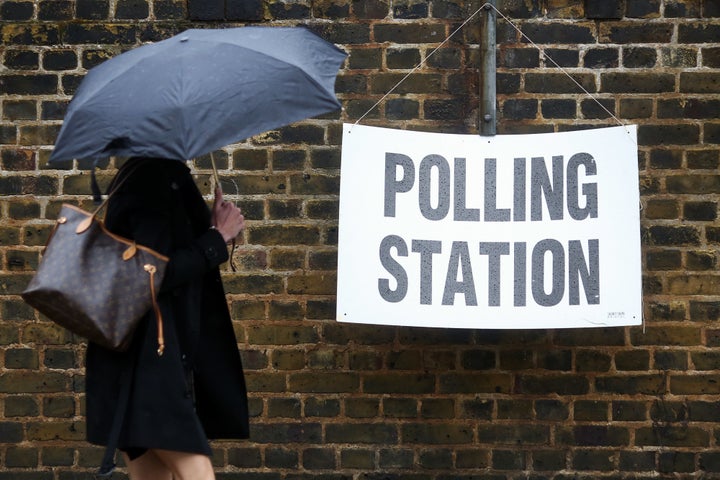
[{"x": 95, "y": 283}]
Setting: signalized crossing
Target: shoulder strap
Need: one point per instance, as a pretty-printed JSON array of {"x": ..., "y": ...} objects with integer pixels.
[
  {"x": 117, "y": 182},
  {"x": 94, "y": 187},
  {"x": 108, "y": 462}
]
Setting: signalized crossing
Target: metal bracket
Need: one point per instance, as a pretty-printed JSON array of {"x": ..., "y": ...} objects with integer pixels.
[{"x": 487, "y": 120}]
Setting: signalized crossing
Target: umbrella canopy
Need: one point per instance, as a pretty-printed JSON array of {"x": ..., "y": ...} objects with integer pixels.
[{"x": 199, "y": 91}]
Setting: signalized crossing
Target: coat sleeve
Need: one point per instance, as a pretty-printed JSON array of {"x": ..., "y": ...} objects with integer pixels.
[
  {"x": 205, "y": 253},
  {"x": 144, "y": 210}
]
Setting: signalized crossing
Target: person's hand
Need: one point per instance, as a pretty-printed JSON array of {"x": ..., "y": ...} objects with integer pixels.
[{"x": 226, "y": 217}]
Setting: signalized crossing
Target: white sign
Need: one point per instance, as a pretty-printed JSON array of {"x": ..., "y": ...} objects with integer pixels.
[{"x": 510, "y": 231}]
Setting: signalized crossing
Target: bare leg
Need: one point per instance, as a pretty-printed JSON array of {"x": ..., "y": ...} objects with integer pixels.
[
  {"x": 147, "y": 467},
  {"x": 170, "y": 465},
  {"x": 186, "y": 466}
]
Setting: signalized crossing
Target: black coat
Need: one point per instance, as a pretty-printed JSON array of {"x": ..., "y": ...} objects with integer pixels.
[{"x": 195, "y": 391}]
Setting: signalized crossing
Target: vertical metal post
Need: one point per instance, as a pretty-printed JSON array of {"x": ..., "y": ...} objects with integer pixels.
[{"x": 488, "y": 114}]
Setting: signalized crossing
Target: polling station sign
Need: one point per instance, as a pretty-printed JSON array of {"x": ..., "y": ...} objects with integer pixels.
[{"x": 509, "y": 231}]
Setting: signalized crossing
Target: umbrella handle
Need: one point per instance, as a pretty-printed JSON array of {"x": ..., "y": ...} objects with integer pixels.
[{"x": 215, "y": 173}]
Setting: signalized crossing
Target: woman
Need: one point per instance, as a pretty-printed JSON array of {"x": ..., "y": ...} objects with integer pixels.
[{"x": 195, "y": 390}]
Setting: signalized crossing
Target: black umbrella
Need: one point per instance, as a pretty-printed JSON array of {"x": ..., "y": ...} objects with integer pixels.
[{"x": 199, "y": 91}]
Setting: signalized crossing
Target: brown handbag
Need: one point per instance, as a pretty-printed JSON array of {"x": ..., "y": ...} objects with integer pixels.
[{"x": 95, "y": 283}]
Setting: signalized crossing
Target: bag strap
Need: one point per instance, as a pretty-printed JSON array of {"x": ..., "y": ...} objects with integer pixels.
[
  {"x": 108, "y": 462},
  {"x": 94, "y": 187},
  {"x": 150, "y": 269},
  {"x": 97, "y": 196}
]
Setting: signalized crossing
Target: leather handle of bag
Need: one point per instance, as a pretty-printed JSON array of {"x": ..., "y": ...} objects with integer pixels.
[
  {"x": 151, "y": 269},
  {"x": 158, "y": 314}
]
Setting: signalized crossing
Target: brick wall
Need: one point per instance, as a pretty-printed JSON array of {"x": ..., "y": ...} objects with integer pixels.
[{"x": 338, "y": 401}]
